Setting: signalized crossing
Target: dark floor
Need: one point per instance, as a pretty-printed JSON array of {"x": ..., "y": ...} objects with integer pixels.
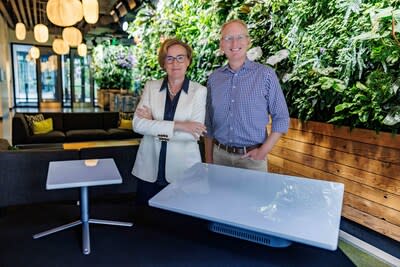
[{"x": 157, "y": 239}]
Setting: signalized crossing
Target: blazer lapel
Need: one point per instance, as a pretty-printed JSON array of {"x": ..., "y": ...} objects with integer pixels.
[{"x": 159, "y": 102}]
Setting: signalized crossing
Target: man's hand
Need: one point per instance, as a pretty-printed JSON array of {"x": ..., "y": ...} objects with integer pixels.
[
  {"x": 256, "y": 154},
  {"x": 261, "y": 152}
]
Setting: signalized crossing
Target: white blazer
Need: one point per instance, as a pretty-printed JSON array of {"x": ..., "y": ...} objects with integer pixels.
[{"x": 182, "y": 148}]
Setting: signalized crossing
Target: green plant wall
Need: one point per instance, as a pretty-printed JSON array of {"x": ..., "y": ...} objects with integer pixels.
[
  {"x": 343, "y": 56},
  {"x": 113, "y": 66}
]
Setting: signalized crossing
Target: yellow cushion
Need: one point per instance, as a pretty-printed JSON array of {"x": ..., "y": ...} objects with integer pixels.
[
  {"x": 42, "y": 127},
  {"x": 125, "y": 124}
]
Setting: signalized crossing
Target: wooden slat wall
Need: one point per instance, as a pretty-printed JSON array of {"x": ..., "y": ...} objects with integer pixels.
[{"x": 368, "y": 164}]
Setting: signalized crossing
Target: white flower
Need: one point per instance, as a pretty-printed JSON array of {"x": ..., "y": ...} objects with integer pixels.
[
  {"x": 286, "y": 77},
  {"x": 278, "y": 57},
  {"x": 254, "y": 53}
]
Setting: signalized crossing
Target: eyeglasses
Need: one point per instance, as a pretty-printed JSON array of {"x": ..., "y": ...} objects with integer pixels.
[
  {"x": 239, "y": 38},
  {"x": 178, "y": 58}
]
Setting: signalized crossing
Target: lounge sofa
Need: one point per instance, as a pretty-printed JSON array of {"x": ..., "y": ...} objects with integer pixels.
[
  {"x": 23, "y": 174},
  {"x": 71, "y": 127}
]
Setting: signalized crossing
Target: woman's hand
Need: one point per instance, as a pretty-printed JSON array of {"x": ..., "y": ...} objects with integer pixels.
[
  {"x": 144, "y": 113},
  {"x": 195, "y": 128}
]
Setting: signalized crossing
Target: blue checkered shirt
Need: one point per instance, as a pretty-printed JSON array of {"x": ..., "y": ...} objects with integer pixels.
[{"x": 239, "y": 104}]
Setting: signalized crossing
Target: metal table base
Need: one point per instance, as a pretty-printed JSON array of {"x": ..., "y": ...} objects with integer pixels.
[{"x": 85, "y": 221}]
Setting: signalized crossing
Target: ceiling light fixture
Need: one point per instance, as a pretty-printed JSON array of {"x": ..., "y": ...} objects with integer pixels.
[
  {"x": 34, "y": 52},
  {"x": 64, "y": 13},
  {"x": 114, "y": 15},
  {"x": 82, "y": 50},
  {"x": 72, "y": 36},
  {"x": 60, "y": 46},
  {"x": 131, "y": 4},
  {"x": 121, "y": 8},
  {"x": 41, "y": 33},
  {"x": 90, "y": 11},
  {"x": 20, "y": 31},
  {"x": 124, "y": 25}
]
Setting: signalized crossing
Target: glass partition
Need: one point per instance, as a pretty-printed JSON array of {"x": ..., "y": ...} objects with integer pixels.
[
  {"x": 49, "y": 78},
  {"x": 25, "y": 77},
  {"x": 65, "y": 80}
]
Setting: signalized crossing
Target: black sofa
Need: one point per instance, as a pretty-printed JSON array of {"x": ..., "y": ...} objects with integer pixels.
[
  {"x": 23, "y": 174},
  {"x": 71, "y": 127}
]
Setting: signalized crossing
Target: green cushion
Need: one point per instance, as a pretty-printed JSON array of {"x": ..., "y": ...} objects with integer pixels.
[
  {"x": 32, "y": 118},
  {"x": 125, "y": 124},
  {"x": 43, "y": 127}
]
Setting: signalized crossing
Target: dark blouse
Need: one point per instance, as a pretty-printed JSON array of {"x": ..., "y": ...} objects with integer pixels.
[{"x": 169, "y": 113}]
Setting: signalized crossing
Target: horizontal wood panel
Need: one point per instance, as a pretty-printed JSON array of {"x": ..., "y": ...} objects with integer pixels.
[
  {"x": 362, "y": 190},
  {"x": 372, "y": 222},
  {"x": 372, "y": 208},
  {"x": 357, "y": 175},
  {"x": 372, "y": 151},
  {"x": 345, "y": 158},
  {"x": 359, "y": 135}
]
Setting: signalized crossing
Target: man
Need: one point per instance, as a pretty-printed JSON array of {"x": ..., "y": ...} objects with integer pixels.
[{"x": 241, "y": 97}]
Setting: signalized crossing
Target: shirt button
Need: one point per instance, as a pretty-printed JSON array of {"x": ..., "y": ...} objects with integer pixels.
[
  {"x": 233, "y": 87},
  {"x": 233, "y": 100},
  {"x": 231, "y": 128}
]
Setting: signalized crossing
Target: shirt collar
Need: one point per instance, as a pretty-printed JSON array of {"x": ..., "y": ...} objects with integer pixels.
[
  {"x": 185, "y": 85},
  {"x": 248, "y": 64}
]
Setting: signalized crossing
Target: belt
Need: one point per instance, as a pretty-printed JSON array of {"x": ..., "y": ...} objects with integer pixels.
[{"x": 241, "y": 150}]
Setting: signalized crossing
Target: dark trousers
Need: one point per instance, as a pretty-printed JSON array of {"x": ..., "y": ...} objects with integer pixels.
[{"x": 146, "y": 190}]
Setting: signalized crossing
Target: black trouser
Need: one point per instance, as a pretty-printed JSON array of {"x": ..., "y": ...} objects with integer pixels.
[{"x": 146, "y": 190}]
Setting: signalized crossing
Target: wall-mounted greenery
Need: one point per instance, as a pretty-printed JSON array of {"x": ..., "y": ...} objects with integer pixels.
[
  {"x": 343, "y": 63},
  {"x": 113, "y": 66}
]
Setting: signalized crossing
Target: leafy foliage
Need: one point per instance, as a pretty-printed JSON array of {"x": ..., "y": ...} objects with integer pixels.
[
  {"x": 113, "y": 66},
  {"x": 343, "y": 54}
]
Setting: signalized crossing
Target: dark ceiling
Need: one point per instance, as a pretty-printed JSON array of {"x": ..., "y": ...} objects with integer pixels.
[{"x": 32, "y": 12}]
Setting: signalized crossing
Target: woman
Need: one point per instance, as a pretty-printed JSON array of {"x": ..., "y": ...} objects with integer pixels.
[{"x": 170, "y": 115}]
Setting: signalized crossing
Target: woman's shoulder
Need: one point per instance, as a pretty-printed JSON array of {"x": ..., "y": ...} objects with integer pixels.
[
  {"x": 197, "y": 86},
  {"x": 153, "y": 83}
]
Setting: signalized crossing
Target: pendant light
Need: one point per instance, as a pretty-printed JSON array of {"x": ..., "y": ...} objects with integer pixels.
[
  {"x": 34, "y": 52},
  {"x": 82, "y": 50},
  {"x": 20, "y": 31},
  {"x": 72, "y": 36},
  {"x": 41, "y": 33},
  {"x": 60, "y": 47},
  {"x": 90, "y": 11},
  {"x": 64, "y": 13}
]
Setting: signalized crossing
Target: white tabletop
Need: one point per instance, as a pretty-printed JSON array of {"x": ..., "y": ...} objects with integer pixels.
[
  {"x": 297, "y": 209},
  {"x": 79, "y": 173}
]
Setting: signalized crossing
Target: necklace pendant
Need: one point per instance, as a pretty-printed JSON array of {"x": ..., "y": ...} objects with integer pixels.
[{"x": 170, "y": 92}]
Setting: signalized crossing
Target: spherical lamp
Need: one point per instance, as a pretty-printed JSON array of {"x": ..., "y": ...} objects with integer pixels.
[
  {"x": 72, "y": 36},
  {"x": 90, "y": 11},
  {"x": 64, "y": 13},
  {"x": 41, "y": 33},
  {"x": 60, "y": 46},
  {"x": 34, "y": 52},
  {"x": 82, "y": 50},
  {"x": 20, "y": 31}
]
